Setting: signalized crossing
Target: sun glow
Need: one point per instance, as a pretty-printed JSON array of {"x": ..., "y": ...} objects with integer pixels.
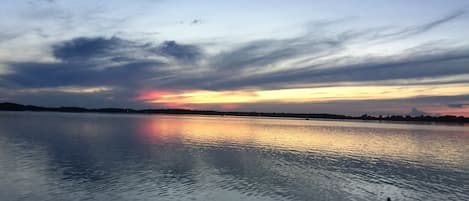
[{"x": 301, "y": 95}]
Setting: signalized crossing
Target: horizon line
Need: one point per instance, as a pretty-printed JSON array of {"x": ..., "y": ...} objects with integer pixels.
[{"x": 11, "y": 106}]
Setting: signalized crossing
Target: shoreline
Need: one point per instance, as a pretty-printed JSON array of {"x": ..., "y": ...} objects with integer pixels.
[{"x": 14, "y": 107}]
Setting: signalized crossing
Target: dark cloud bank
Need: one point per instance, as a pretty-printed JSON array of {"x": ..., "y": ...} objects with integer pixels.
[{"x": 128, "y": 66}]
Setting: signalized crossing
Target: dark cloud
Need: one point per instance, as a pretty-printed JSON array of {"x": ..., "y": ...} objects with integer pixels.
[
  {"x": 457, "y": 105},
  {"x": 119, "y": 62},
  {"x": 196, "y": 21},
  {"x": 437, "y": 99},
  {"x": 83, "y": 49},
  {"x": 86, "y": 50},
  {"x": 90, "y": 62},
  {"x": 115, "y": 61},
  {"x": 124, "y": 66},
  {"x": 36, "y": 75},
  {"x": 239, "y": 67},
  {"x": 180, "y": 52},
  {"x": 409, "y": 66}
]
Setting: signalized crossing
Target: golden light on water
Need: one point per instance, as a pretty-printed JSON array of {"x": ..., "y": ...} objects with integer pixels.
[{"x": 328, "y": 137}]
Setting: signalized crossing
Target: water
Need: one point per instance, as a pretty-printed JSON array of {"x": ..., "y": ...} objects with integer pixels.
[{"x": 57, "y": 156}]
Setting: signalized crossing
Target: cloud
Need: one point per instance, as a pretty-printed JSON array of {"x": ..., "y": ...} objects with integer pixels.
[
  {"x": 36, "y": 75},
  {"x": 258, "y": 54},
  {"x": 86, "y": 50},
  {"x": 401, "y": 33},
  {"x": 315, "y": 58},
  {"x": 8, "y": 35},
  {"x": 83, "y": 49},
  {"x": 448, "y": 18},
  {"x": 256, "y": 64},
  {"x": 311, "y": 60},
  {"x": 117, "y": 61},
  {"x": 457, "y": 105},
  {"x": 121, "y": 66},
  {"x": 88, "y": 62},
  {"x": 408, "y": 66},
  {"x": 196, "y": 21},
  {"x": 180, "y": 52}
]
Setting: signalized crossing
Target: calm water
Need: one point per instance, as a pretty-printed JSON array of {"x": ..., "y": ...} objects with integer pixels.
[{"x": 55, "y": 156}]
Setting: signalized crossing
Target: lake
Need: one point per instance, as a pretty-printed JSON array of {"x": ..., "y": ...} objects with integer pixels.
[{"x": 61, "y": 156}]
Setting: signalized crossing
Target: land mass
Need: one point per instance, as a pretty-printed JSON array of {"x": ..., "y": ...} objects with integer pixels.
[{"x": 19, "y": 107}]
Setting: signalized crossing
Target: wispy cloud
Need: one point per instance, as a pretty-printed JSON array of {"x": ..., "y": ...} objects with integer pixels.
[
  {"x": 257, "y": 64},
  {"x": 401, "y": 33}
]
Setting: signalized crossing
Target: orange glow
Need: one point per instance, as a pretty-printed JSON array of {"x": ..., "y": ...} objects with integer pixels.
[
  {"x": 148, "y": 95},
  {"x": 232, "y": 99}
]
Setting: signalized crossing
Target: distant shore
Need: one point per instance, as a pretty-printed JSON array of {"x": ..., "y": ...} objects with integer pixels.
[{"x": 443, "y": 119}]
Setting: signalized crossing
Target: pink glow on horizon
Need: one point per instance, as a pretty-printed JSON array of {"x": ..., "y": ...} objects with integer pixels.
[
  {"x": 177, "y": 100},
  {"x": 450, "y": 111},
  {"x": 151, "y": 95},
  {"x": 148, "y": 95},
  {"x": 230, "y": 106}
]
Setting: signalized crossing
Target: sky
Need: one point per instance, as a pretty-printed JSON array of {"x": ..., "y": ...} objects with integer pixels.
[{"x": 348, "y": 57}]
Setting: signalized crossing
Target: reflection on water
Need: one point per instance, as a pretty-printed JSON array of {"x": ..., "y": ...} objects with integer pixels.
[{"x": 53, "y": 156}]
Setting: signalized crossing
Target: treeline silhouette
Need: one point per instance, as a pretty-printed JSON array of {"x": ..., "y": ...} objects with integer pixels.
[{"x": 19, "y": 107}]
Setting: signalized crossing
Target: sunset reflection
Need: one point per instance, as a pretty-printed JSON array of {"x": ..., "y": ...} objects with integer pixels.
[
  {"x": 174, "y": 157},
  {"x": 327, "y": 137}
]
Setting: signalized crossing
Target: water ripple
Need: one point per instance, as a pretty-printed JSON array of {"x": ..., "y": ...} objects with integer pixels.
[{"x": 51, "y": 156}]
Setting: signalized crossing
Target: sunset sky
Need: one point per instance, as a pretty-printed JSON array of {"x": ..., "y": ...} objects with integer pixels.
[{"x": 336, "y": 56}]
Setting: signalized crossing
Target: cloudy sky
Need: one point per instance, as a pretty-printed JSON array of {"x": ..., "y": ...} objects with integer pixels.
[{"x": 335, "y": 56}]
